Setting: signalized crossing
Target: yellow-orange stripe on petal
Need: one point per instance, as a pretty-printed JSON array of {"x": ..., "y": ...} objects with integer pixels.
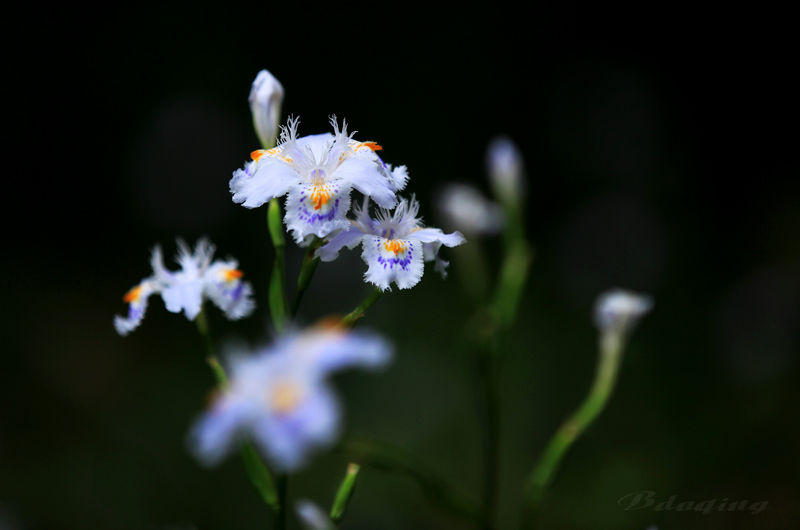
[
  {"x": 255, "y": 155},
  {"x": 232, "y": 274},
  {"x": 320, "y": 196},
  {"x": 395, "y": 246},
  {"x": 372, "y": 145},
  {"x": 133, "y": 295}
]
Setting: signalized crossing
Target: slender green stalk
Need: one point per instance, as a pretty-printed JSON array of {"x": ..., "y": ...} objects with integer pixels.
[
  {"x": 489, "y": 370},
  {"x": 279, "y": 515},
  {"x": 256, "y": 470},
  {"x": 205, "y": 335},
  {"x": 611, "y": 347},
  {"x": 307, "y": 270},
  {"x": 473, "y": 270},
  {"x": 350, "y": 320},
  {"x": 345, "y": 493},
  {"x": 494, "y": 326},
  {"x": 277, "y": 296}
]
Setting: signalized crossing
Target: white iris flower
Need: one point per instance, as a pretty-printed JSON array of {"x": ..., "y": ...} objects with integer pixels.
[
  {"x": 280, "y": 398},
  {"x": 317, "y": 174},
  {"x": 186, "y": 289},
  {"x": 395, "y": 245}
]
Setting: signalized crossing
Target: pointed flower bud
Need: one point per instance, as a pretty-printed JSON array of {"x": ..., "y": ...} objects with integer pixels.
[
  {"x": 617, "y": 311},
  {"x": 505, "y": 168},
  {"x": 266, "y": 97}
]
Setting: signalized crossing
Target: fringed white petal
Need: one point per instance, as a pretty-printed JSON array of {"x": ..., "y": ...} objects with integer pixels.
[
  {"x": 137, "y": 305},
  {"x": 317, "y": 210},
  {"x": 224, "y": 286},
  {"x": 398, "y": 261},
  {"x": 271, "y": 178}
]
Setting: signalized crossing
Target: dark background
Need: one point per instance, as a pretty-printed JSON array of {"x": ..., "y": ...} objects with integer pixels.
[{"x": 661, "y": 152}]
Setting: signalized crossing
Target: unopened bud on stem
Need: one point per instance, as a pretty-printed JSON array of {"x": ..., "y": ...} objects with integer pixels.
[
  {"x": 506, "y": 171},
  {"x": 266, "y": 98}
]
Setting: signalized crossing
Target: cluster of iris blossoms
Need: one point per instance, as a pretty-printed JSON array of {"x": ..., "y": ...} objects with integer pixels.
[{"x": 276, "y": 403}]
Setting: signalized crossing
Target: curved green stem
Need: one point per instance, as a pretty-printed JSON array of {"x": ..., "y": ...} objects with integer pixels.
[
  {"x": 350, "y": 320},
  {"x": 257, "y": 471},
  {"x": 605, "y": 379}
]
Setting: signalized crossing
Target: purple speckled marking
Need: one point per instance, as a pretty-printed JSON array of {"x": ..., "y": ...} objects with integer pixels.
[
  {"x": 391, "y": 262},
  {"x": 312, "y": 217}
]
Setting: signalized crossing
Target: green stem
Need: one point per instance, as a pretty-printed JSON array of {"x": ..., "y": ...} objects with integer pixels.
[
  {"x": 257, "y": 471},
  {"x": 307, "y": 271},
  {"x": 279, "y": 515},
  {"x": 604, "y": 381},
  {"x": 350, "y": 320},
  {"x": 488, "y": 363},
  {"x": 205, "y": 335},
  {"x": 277, "y": 296}
]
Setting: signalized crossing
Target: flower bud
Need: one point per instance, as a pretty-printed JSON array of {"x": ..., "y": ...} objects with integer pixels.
[
  {"x": 266, "y": 97},
  {"x": 505, "y": 168},
  {"x": 617, "y": 311},
  {"x": 311, "y": 516},
  {"x": 466, "y": 209}
]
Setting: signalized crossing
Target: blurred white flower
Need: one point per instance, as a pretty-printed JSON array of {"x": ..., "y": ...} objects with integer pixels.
[
  {"x": 395, "y": 245},
  {"x": 466, "y": 209},
  {"x": 280, "y": 397},
  {"x": 266, "y": 97},
  {"x": 618, "y": 311},
  {"x": 186, "y": 289},
  {"x": 506, "y": 170},
  {"x": 311, "y": 516}
]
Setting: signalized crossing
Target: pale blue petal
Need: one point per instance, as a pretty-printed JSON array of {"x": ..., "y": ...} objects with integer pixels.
[
  {"x": 216, "y": 433},
  {"x": 271, "y": 178},
  {"x": 344, "y": 238},
  {"x": 429, "y": 235},
  {"x": 289, "y": 439},
  {"x": 349, "y": 350},
  {"x": 364, "y": 174}
]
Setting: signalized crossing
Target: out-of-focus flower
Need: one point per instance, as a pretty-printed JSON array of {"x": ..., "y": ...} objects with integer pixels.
[
  {"x": 464, "y": 207},
  {"x": 617, "y": 311},
  {"x": 395, "y": 245},
  {"x": 317, "y": 172},
  {"x": 311, "y": 516},
  {"x": 266, "y": 97},
  {"x": 506, "y": 170},
  {"x": 281, "y": 400},
  {"x": 186, "y": 289}
]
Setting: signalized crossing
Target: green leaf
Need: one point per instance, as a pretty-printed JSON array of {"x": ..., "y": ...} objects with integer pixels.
[{"x": 259, "y": 476}]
